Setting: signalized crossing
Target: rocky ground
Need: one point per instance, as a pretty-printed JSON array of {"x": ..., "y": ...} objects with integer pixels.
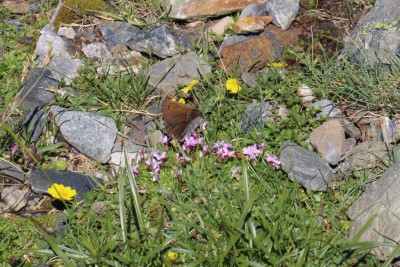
[{"x": 244, "y": 40}]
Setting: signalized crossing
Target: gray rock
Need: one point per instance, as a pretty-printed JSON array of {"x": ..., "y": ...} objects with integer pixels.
[
  {"x": 154, "y": 138},
  {"x": 305, "y": 167},
  {"x": 350, "y": 129},
  {"x": 117, "y": 32},
  {"x": 41, "y": 181},
  {"x": 65, "y": 68},
  {"x": 376, "y": 38},
  {"x": 383, "y": 129},
  {"x": 11, "y": 171},
  {"x": 97, "y": 51},
  {"x": 329, "y": 140},
  {"x": 36, "y": 119},
  {"x": 34, "y": 7},
  {"x": 254, "y": 10},
  {"x": 306, "y": 95},
  {"x": 166, "y": 74},
  {"x": 327, "y": 109},
  {"x": 50, "y": 43},
  {"x": 92, "y": 134},
  {"x": 61, "y": 225},
  {"x": 283, "y": 12},
  {"x": 343, "y": 166},
  {"x": 234, "y": 39},
  {"x": 14, "y": 198},
  {"x": 16, "y": 23},
  {"x": 193, "y": 10},
  {"x": 67, "y": 32},
  {"x": 126, "y": 143},
  {"x": 367, "y": 154},
  {"x": 118, "y": 159},
  {"x": 86, "y": 34},
  {"x": 139, "y": 130},
  {"x": 55, "y": 13},
  {"x": 161, "y": 39},
  {"x": 250, "y": 79},
  {"x": 256, "y": 114},
  {"x": 67, "y": 90},
  {"x": 349, "y": 144},
  {"x": 219, "y": 26},
  {"x": 380, "y": 199},
  {"x": 34, "y": 92},
  {"x": 125, "y": 62}
]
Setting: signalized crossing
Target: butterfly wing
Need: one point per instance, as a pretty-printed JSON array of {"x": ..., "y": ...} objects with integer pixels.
[{"x": 177, "y": 117}]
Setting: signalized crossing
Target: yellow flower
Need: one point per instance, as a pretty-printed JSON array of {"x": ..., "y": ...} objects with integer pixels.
[
  {"x": 172, "y": 256},
  {"x": 181, "y": 100},
  {"x": 277, "y": 65},
  {"x": 173, "y": 99},
  {"x": 190, "y": 86},
  {"x": 60, "y": 191},
  {"x": 233, "y": 86}
]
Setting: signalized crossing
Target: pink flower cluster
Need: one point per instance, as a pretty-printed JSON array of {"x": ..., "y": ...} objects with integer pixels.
[
  {"x": 273, "y": 160},
  {"x": 153, "y": 160},
  {"x": 252, "y": 152},
  {"x": 223, "y": 151},
  {"x": 194, "y": 146}
]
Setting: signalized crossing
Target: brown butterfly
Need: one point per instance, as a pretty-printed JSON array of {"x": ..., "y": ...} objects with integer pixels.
[{"x": 180, "y": 119}]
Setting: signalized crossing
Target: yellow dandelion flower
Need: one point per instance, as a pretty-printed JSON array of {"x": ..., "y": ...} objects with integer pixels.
[
  {"x": 173, "y": 99},
  {"x": 233, "y": 86},
  {"x": 181, "y": 100},
  {"x": 277, "y": 65},
  {"x": 63, "y": 192},
  {"x": 172, "y": 256},
  {"x": 190, "y": 86}
]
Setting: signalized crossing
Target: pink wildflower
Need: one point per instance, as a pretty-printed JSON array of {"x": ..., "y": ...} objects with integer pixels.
[
  {"x": 165, "y": 142},
  {"x": 203, "y": 126},
  {"x": 161, "y": 157},
  {"x": 135, "y": 169},
  {"x": 221, "y": 149},
  {"x": 252, "y": 152},
  {"x": 14, "y": 148},
  {"x": 156, "y": 175},
  {"x": 273, "y": 160}
]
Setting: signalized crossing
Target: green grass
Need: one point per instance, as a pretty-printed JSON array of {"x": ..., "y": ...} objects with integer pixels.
[
  {"x": 211, "y": 219},
  {"x": 207, "y": 217}
]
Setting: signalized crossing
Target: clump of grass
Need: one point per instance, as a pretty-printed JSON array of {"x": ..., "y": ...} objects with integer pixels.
[
  {"x": 368, "y": 87},
  {"x": 206, "y": 216},
  {"x": 199, "y": 213}
]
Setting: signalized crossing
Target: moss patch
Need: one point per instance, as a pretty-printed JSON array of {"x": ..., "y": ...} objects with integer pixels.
[{"x": 73, "y": 10}]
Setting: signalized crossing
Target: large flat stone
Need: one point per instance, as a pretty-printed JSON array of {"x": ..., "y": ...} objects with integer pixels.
[
  {"x": 305, "y": 167},
  {"x": 92, "y": 134}
]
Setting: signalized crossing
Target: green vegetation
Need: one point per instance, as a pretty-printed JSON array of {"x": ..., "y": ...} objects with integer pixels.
[
  {"x": 72, "y": 11},
  {"x": 206, "y": 215}
]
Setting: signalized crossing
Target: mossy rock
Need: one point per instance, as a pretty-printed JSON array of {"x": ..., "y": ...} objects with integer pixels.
[{"x": 72, "y": 11}]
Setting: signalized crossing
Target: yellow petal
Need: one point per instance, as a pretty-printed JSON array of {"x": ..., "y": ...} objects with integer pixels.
[
  {"x": 190, "y": 86},
  {"x": 277, "y": 65},
  {"x": 233, "y": 86},
  {"x": 186, "y": 89},
  {"x": 172, "y": 256},
  {"x": 181, "y": 100},
  {"x": 63, "y": 192}
]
